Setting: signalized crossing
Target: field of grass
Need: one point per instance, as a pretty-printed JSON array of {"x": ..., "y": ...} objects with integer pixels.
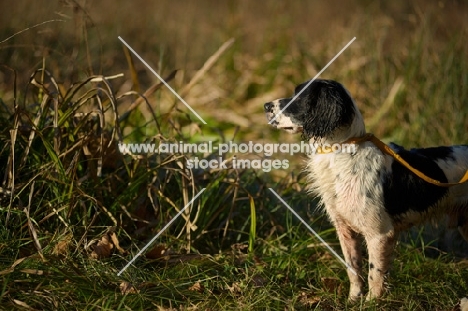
[{"x": 74, "y": 210}]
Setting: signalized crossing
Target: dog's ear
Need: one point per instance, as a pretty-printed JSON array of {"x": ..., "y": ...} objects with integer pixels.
[{"x": 328, "y": 107}]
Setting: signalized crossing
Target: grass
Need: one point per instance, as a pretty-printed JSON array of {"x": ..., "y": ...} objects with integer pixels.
[{"x": 75, "y": 211}]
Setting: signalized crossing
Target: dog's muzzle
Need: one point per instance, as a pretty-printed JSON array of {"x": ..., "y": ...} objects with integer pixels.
[{"x": 269, "y": 107}]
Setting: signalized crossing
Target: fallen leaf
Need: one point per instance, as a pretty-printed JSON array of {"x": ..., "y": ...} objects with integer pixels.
[
  {"x": 105, "y": 246},
  {"x": 197, "y": 287},
  {"x": 114, "y": 240},
  {"x": 157, "y": 252},
  {"x": 128, "y": 288},
  {"x": 62, "y": 246},
  {"x": 102, "y": 248}
]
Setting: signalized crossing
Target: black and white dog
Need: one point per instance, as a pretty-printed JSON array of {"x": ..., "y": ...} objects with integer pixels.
[{"x": 367, "y": 193}]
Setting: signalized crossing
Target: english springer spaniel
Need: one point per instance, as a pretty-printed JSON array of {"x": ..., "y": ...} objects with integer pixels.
[{"x": 368, "y": 193}]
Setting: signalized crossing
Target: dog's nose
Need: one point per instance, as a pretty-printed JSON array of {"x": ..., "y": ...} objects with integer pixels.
[{"x": 268, "y": 107}]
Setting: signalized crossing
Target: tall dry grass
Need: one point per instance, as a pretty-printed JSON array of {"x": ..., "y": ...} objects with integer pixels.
[{"x": 63, "y": 184}]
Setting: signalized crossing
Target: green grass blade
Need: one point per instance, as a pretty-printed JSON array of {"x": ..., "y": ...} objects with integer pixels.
[{"x": 253, "y": 224}]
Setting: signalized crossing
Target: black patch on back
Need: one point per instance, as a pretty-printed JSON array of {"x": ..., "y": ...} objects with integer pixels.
[
  {"x": 320, "y": 109},
  {"x": 436, "y": 153},
  {"x": 404, "y": 191}
]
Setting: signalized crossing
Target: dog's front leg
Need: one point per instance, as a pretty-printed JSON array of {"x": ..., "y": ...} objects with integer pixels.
[
  {"x": 351, "y": 246},
  {"x": 380, "y": 247}
]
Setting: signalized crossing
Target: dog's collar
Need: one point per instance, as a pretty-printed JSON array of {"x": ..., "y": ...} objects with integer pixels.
[
  {"x": 350, "y": 141},
  {"x": 386, "y": 149}
]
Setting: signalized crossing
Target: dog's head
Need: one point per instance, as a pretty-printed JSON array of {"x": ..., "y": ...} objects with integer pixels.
[{"x": 322, "y": 110}]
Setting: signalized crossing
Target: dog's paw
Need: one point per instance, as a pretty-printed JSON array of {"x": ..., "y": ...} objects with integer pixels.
[
  {"x": 373, "y": 296},
  {"x": 354, "y": 297},
  {"x": 370, "y": 297}
]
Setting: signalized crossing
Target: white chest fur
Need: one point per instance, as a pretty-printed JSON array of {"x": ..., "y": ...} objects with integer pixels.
[{"x": 350, "y": 187}]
